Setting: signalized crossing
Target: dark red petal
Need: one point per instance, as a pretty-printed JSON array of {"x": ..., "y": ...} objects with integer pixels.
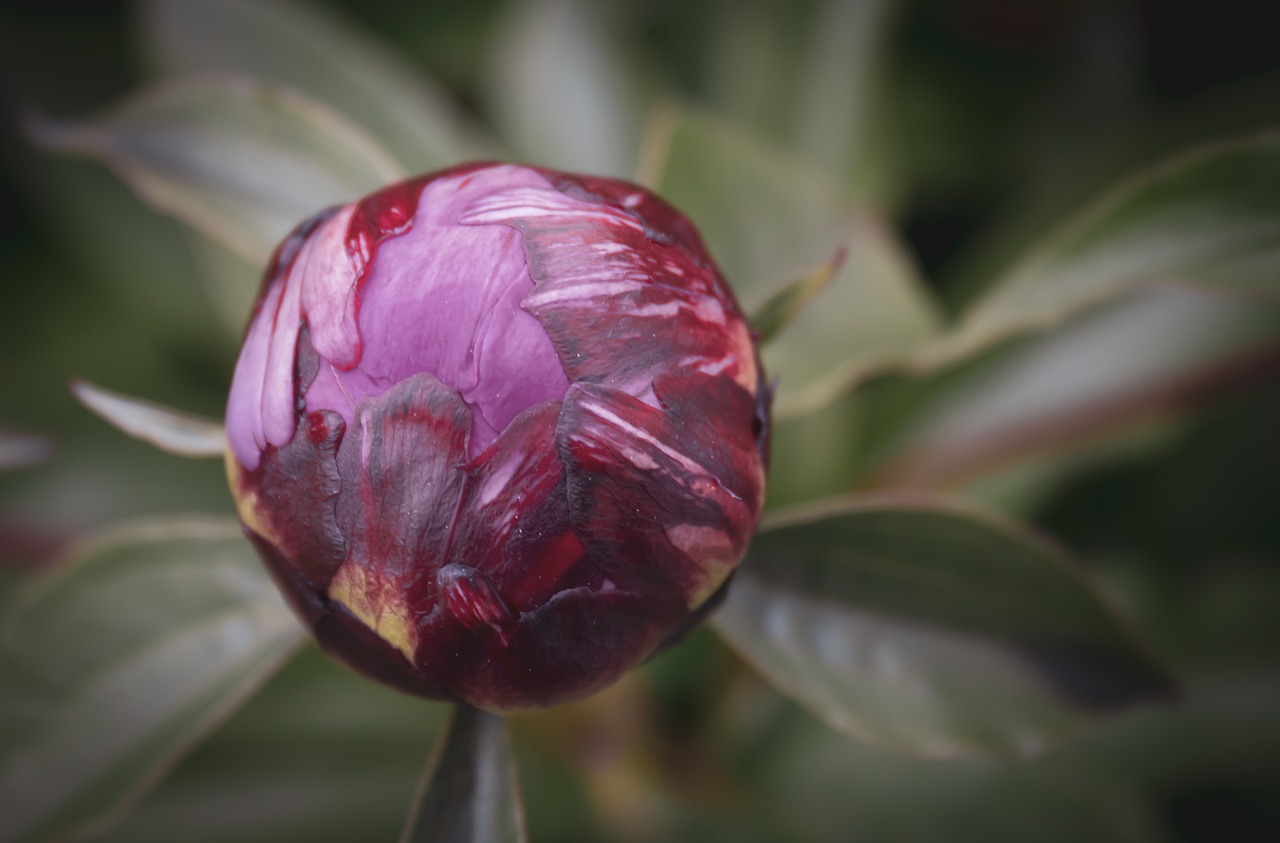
[
  {"x": 576, "y": 643},
  {"x": 513, "y": 516},
  {"x": 290, "y": 498},
  {"x": 341, "y": 634},
  {"x": 639, "y": 496},
  {"x": 402, "y": 469},
  {"x": 662, "y": 223},
  {"x": 473, "y": 600},
  {"x": 619, "y": 307},
  {"x": 714, "y": 419}
]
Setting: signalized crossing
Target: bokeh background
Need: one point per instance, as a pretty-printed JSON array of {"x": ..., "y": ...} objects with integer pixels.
[{"x": 994, "y": 119}]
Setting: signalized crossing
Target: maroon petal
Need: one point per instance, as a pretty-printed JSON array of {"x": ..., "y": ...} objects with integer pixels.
[
  {"x": 714, "y": 420},
  {"x": 578, "y": 642},
  {"x": 619, "y": 307},
  {"x": 662, "y": 223},
  {"x": 639, "y": 494},
  {"x": 341, "y": 634},
  {"x": 402, "y": 470},
  {"x": 513, "y": 515}
]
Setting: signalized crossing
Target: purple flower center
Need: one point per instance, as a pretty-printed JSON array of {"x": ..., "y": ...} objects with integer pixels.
[{"x": 442, "y": 297}]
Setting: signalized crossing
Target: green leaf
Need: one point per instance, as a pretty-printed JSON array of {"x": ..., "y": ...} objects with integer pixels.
[
  {"x": 767, "y": 218},
  {"x": 840, "y": 116},
  {"x": 285, "y": 761},
  {"x": 241, "y": 161},
  {"x": 931, "y": 629},
  {"x": 170, "y": 430},
  {"x": 1127, "y": 782},
  {"x": 469, "y": 792},
  {"x": 1208, "y": 218},
  {"x": 231, "y": 283},
  {"x": 1018, "y": 417},
  {"x": 300, "y": 46},
  {"x": 559, "y": 91},
  {"x": 120, "y": 660},
  {"x": 811, "y": 79},
  {"x": 781, "y": 309},
  {"x": 752, "y": 66},
  {"x": 875, "y": 309}
]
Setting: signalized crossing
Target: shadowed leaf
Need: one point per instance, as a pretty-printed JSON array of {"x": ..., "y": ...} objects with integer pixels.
[
  {"x": 559, "y": 89},
  {"x": 239, "y": 160},
  {"x": 285, "y": 762},
  {"x": 169, "y": 430},
  {"x": 930, "y": 629},
  {"x": 840, "y": 96},
  {"x": 231, "y": 282},
  {"x": 1208, "y": 218},
  {"x": 300, "y": 46},
  {"x": 469, "y": 792},
  {"x": 780, "y": 309},
  {"x": 119, "y": 660},
  {"x": 1019, "y": 416}
]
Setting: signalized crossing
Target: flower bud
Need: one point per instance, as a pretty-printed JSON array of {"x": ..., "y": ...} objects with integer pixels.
[{"x": 498, "y": 432}]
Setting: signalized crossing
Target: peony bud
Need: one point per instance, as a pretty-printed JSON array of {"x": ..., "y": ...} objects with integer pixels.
[{"x": 498, "y": 432}]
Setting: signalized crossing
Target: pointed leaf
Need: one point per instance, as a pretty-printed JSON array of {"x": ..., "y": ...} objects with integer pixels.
[
  {"x": 1023, "y": 409},
  {"x": 1208, "y": 218},
  {"x": 241, "y": 161},
  {"x": 285, "y": 761},
  {"x": 169, "y": 430},
  {"x": 764, "y": 215},
  {"x": 559, "y": 91},
  {"x": 931, "y": 629},
  {"x": 780, "y": 309},
  {"x": 302, "y": 47},
  {"x": 767, "y": 218},
  {"x": 469, "y": 792},
  {"x": 873, "y": 310},
  {"x": 121, "y": 659}
]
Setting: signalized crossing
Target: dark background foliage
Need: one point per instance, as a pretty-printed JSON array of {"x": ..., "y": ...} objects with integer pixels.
[{"x": 1008, "y": 115}]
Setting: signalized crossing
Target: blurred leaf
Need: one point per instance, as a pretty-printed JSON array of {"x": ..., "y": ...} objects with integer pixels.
[
  {"x": 1210, "y": 218},
  {"x": 931, "y": 629},
  {"x": 232, "y": 283},
  {"x": 304, "y": 48},
  {"x": 766, "y": 218},
  {"x": 281, "y": 768},
  {"x": 99, "y": 226},
  {"x": 810, "y": 78},
  {"x": 242, "y": 161},
  {"x": 753, "y": 64},
  {"x": 875, "y": 309},
  {"x": 120, "y": 660},
  {"x": 560, "y": 91},
  {"x": 820, "y": 453},
  {"x": 1118, "y": 784},
  {"x": 838, "y": 120},
  {"x": 179, "y": 433},
  {"x": 1148, "y": 357},
  {"x": 469, "y": 792},
  {"x": 782, "y": 307},
  {"x": 22, "y": 449}
]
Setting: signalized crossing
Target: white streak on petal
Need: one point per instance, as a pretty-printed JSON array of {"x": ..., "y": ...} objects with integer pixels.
[
  {"x": 602, "y": 412},
  {"x": 498, "y": 480}
]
